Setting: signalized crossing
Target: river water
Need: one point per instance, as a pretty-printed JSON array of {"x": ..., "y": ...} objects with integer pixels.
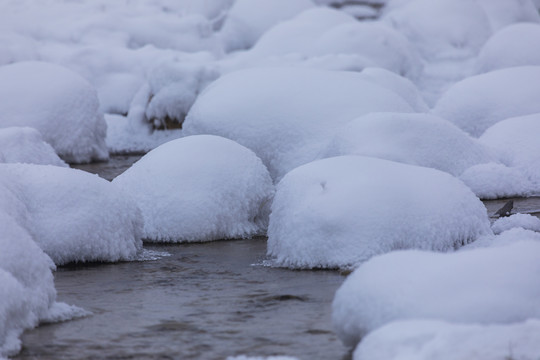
[{"x": 196, "y": 301}]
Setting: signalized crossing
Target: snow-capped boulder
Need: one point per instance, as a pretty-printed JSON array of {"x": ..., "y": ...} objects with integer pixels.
[
  {"x": 59, "y": 103},
  {"x": 514, "y": 45},
  {"x": 247, "y": 20},
  {"x": 339, "y": 212},
  {"x": 515, "y": 141},
  {"x": 72, "y": 215},
  {"x": 495, "y": 285},
  {"x": 478, "y": 102},
  {"x": 432, "y": 339},
  {"x": 26, "y": 145},
  {"x": 286, "y": 115},
  {"x": 416, "y": 139},
  {"x": 199, "y": 188}
]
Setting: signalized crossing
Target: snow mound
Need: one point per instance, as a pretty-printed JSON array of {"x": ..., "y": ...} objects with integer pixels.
[
  {"x": 244, "y": 357},
  {"x": 495, "y": 285},
  {"x": 525, "y": 221},
  {"x": 430, "y": 339},
  {"x": 515, "y": 142},
  {"x": 515, "y": 45},
  {"x": 199, "y": 188},
  {"x": 507, "y": 237},
  {"x": 254, "y": 107},
  {"x": 478, "y": 102},
  {"x": 72, "y": 215},
  {"x": 493, "y": 181},
  {"x": 502, "y": 13},
  {"x": 341, "y": 211},
  {"x": 431, "y": 26},
  {"x": 26, "y": 145},
  {"x": 416, "y": 139},
  {"x": 247, "y": 20},
  {"x": 58, "y": 103}
]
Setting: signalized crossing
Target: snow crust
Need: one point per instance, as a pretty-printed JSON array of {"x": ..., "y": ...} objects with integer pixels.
[
  {"x": 255, "y": 108},
  {"x": 430, "y": 339},
  {"x": 478, "y": 102},
  {"x": 199, "y": 188},
  {"x": 57, "y": 102},
  {"x": 416, "y": 139},
  {"x": 495, "y": 285},
  {"x": 26, "y": 145},
  {"x": 72, "y": 215},
  {"x": 339, "y": 212}
]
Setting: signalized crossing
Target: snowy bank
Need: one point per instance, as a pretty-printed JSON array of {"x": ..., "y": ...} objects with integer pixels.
[
  {"x": 59, "y": 103},
  {"x": 26, "y": 145},
  {"x": 496, "y": 285},
  {"x": 72, "y": 215},
  {"x": 199, "y": 188},
  {"x": 416, "y": 139},
  {"x": 341, "y": 211},
  {"x": 286, "y": 115},
  {"x": 428, "y": 340}
]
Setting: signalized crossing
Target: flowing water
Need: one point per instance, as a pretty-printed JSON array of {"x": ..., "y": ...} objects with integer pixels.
[{"x": 196, "y": 301}]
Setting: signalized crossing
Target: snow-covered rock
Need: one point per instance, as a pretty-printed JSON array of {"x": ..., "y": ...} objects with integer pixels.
[
  {"x": 339, "y": 212},
  {"x": 416, "y": 139},
  {"x": 493, "y": 180},
  {"x": 496, "y": 285},
  {"x": 247, "y": 20},
  {"x": 478, "y": 102},
  {"x": 199, "y": 188},
  {"x": 286, "y": 115},
  {"x": 514, "y": 45},
  {"x": 515, "y": 142},
  {"x": 58, "y": 103},
  {"x": 72, "y": 215},
  {"x": 431, "y": 339},
  {"x": 26, "y": 145},
  {"x": 525, "y": 221}
]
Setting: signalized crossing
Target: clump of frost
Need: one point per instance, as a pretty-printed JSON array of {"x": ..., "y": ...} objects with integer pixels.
[
  {"x": 432, "y": 339},
  {"x": 493, "y": 181},
  {"x": 525, "y": 221},
  {"x": 339, "y": 212},
  {"x": 247, "y": 20},
  {"x": 58, "y": 103},
  {"x": 254, "y": 107},
  {"x": 416, "y": 139},
  {"x": 199, "y": 188},
  {"x": 478, "y": 102},
  {"x": 72, "y": 215},
  {"x": 26, "y": 145},
  {"x": 496, "y": 285},
  {"x": 515, "y": 45}
]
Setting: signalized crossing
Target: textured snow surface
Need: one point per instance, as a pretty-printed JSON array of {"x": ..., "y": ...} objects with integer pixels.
[
  {"x": 59, "y": 103},
  {"x": 199, "y": 188},
  {"x": 339, "y": 212},
  {"x": 26, "y": 145},
  {"x": 429, "y": 340},
  {"x": 511, "y": 236},
  {"x": 72, "y": 215},
  {"x": 524, "y": 221},
  {"x": 478, "y": 102},
  {"x": 416, "y": 139},
  {"x": 496, "y": 285},
  {"x": 286, "y": 115}
]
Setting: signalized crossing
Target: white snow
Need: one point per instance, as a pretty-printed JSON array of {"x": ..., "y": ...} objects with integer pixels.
[
  {"x": 506, "y": 237},
  {"x": 478, "y": 102},
  {"x": 199, "y": 188},
  {"x": 245, "y": 357},
  {"x": 431, "y": 339},
  {"x": 26, "y": 145},
  {"x": 524, "y": 221},
  {"x": 57, "y": 102},
  {"x": 286, "y": 115},
  {"x": 416, "y": 139},
  {"x": 72, "y": 215},
  {"x": 339, "y": 212},
  {"x": 497, "y": 285},
  {"x": 514, "y": 45}
]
